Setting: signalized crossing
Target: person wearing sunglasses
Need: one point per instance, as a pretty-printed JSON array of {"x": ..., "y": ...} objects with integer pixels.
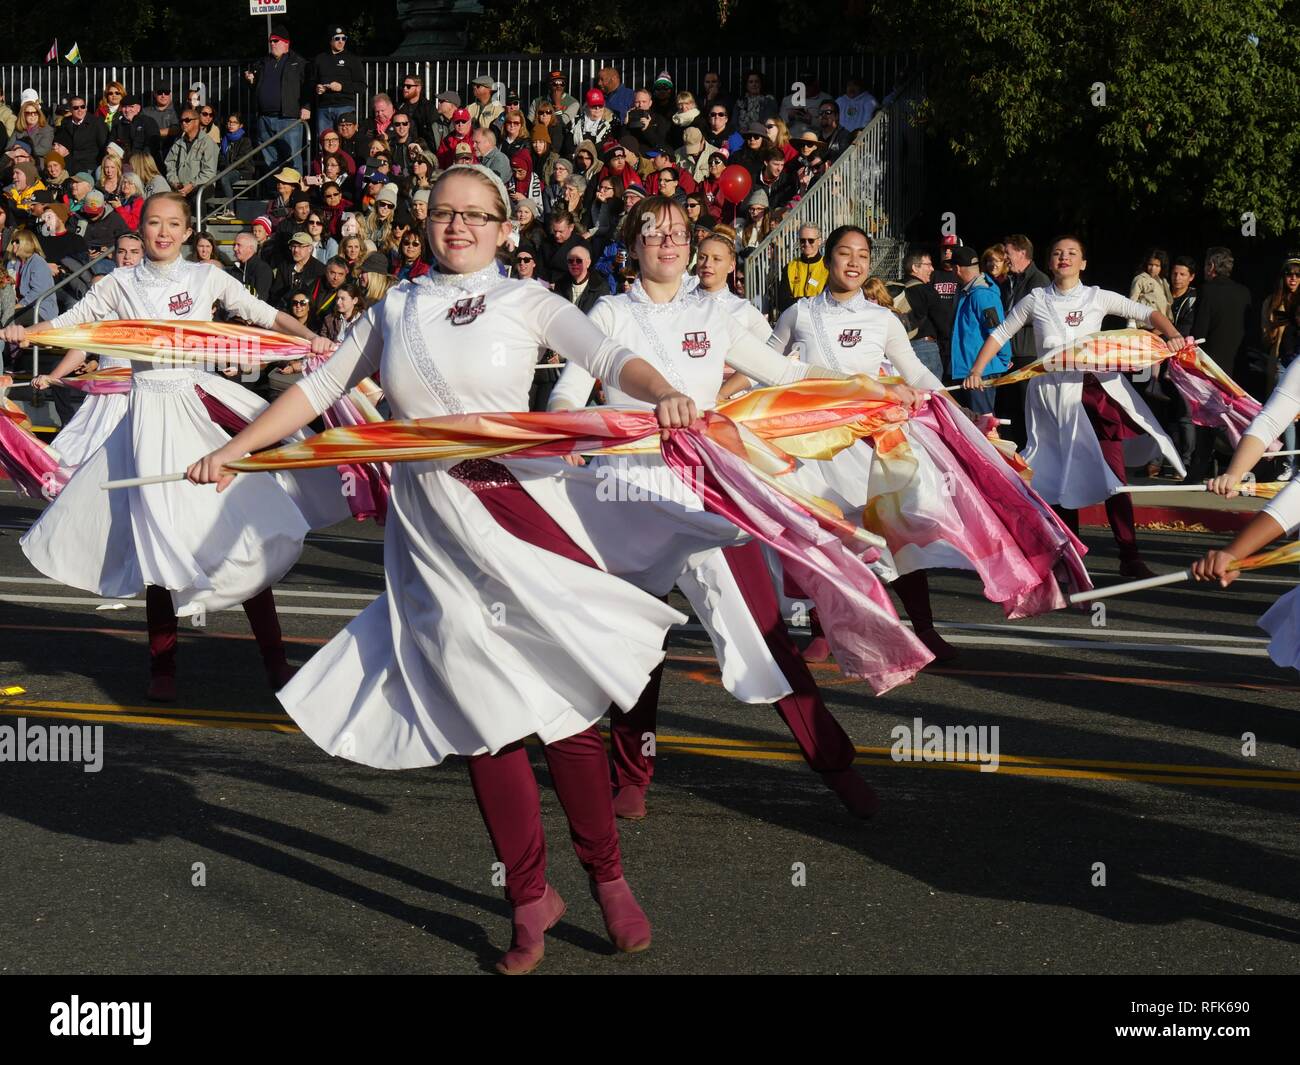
[
  {"x": 192, "y": 159},
  {"x": 837, "y": 138},
  {"x": 426, "y": 123},
  {"x": 82, "y": 135},
  {"x": 337, "y": 79}
]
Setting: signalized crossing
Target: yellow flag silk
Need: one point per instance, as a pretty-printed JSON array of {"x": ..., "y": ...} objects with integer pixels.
[
  {"x": 204, "y": 345},
  {"x": 1286, "y": 555}
]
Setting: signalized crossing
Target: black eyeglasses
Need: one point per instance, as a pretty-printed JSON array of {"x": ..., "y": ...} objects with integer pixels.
[
  {"x": 76, "y": 107},
  {"x": 208, "y": 114},
  {"x": 443, "y": 216},
  {"x": 401, "y": 125},
  {"x": 1291, "y": 273},
  {"x": 717, "y": 114},
  {"x": 525, "y": 259},
  {"x": 187, "y": 121},
  {"x": 300, "y": 303},
  {"x": 809, "y": 240}
]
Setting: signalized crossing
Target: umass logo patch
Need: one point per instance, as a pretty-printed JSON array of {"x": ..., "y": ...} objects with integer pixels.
[
  {"x": 180, "y": 303},
  {"x": 463, "y": 312},
  {"x": 1074, "y": 318},
  {"x": 850, "y": 337},
  {"x": 696, "y": 345}
]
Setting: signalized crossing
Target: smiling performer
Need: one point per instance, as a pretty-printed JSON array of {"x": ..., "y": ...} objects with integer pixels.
[
  {"x": 691, "y": 336},
  {"x": 1077, "y": 423},
  {"x": 192, "y": 551},
  {"x": 715, "y": 260},
  {"x": 497, "y": 623},
  {"x": 935, "y": 489}
]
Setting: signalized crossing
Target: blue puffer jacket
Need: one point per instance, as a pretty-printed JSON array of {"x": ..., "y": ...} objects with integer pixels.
[{"x": 979, "y": 312}]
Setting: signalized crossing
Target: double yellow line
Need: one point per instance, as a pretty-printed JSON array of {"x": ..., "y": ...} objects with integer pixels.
[{"x": 717, "y": 747}]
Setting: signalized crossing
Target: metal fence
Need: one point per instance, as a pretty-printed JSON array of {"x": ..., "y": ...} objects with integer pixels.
[
  {"x": 229, "y": 91},
  {"x": 875, "y": 184}
]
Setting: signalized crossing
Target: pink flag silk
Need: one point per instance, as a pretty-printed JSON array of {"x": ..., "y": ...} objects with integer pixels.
[
  {"x": 861, "y": 625},
  {"x": 28, "y": 463},
  {"x": 1021, "y": 550},
  {"x": 369, "y": 481},
  {"x": 1211, "y": 406},
  {"x": 94, "y": 386}
]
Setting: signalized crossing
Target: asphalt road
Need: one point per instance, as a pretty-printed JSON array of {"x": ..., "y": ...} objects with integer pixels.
[{"x": 1119, "y": 744}]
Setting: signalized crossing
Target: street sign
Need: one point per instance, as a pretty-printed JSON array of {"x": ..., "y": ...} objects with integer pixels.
[{"x": 267, "y": 7}]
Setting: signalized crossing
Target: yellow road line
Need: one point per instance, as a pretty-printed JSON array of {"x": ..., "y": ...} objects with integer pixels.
[{"x": 720, "y": 747}]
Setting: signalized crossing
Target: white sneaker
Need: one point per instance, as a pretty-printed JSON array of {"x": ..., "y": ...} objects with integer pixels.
[{"x": 1287, "y": 472}]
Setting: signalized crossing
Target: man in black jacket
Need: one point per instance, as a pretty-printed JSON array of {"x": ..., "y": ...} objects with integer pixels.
[
  {"x": 138, "y": 132},
  {"x": 582, "y": 287},
  {"x": 249, "y": 269},
  {"x": 837, "y": 138},
  {"x": 278, "y": 80},
  {"x": 338, "y": 80},
  {"x": 1024, "y": 278},
  {"x": 83, "y": 134},
  {"x": 1222, "y": 317},
  {"x": 298, "y": 274},
  {"x": 649, "y": 128},
  {"x": 418, "y": 108}
]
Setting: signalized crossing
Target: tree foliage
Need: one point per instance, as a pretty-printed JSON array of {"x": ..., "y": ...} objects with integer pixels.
[{"x": 1197, "y": 113}]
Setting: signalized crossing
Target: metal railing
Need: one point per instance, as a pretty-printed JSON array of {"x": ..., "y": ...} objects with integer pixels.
[
  {"x": 226, "y": 88},
  {"x": 875, "y": 184},
  {"x": 303, "y": 154},
  {"x": 53, "y": 291}
]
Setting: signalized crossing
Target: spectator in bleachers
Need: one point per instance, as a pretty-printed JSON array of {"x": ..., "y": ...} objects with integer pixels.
[
  {"x": 777, "y": 180},
  {"x": 33, "y": 130},
  {"x": 558, "y": 132},
  {"x": 350, "y": 139},
  {"x": 109, "y": 108},
  {"x": 192, "y": 159},
  {"x": 56, "y": 176},
  {"x": 296, "y": 274},
  {"x": 514, "y": 134},
  {"x": 597, "y": 123},
  {"x": 250, "y": 270},
  {"x": 82, "y": 135},
  {"x": 8, "y": 120},
  {"x": 483, "y": 110},
  {"x": 813, "y": 98},
  {"x": 461, "y": 126},
  {"x": 857, "y": 106},
  {"x": 711, "y": 92},
  {"x": 562, "y": 236},
  {"x": 279, "y": 83},
  {"x": 64, "y": 249},
  {"x": 133, "y": 189},
  {"x": 324, "y": 246},
  {"x": 557, "y": 95},
  {"x": 543, "y": 153},
  {"x": 440, "y": 122},
  {"x": 108, "y": 178},
  {"x": 336, "y": 80},
  {"x": 805, "y": 275},
  {"x": 8, "y": 293},
  {"x": 758, "y": 221},
  {"x": 648, "y": 127},
  {"x": 26, "y": 189},
  {"x": 836, "y": 138},
  {"x": 235, "y": 143},
  {"x": 103, "y": 223},
  {"x": 143, "y": 164},
  {"x": 686, "y": 116},
  {"x": 778, "y": 134},
  {"x": 137, "y": 132},
  {"x": 332, "y": 144},
  {"x": 32, "y": 279},
  {"x": 755, "y": 105},
  {"x": 412, "y": 259},
  {"x": 417, "y": 107},
  {"x": 719, "y": 132},
  {"x": 208, "y": 125},
  {"x": 203, "y": 249},
  {"x": 164, "y": 116},
  {"x": 485, "y": 147},
  {"x": 618, "y": 97}
]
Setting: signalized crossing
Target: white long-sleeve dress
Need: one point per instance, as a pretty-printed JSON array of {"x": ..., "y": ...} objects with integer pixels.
[
  {"x": 210, "y": 551},
  {"x": 482, "y": 639},
  {"x": 1061, "y": 446},
  {"x": 688, "y": 339},
  {"x": 93, "y": 422},
  {"x": 1282, "y": 620}
]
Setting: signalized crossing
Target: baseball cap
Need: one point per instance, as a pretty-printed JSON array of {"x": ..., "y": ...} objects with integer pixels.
[
  {"x": 595, "y": 98},
  {"x": 556, "y": 75},
  {"x": 338, "y": 31},
  {"x": 964, "y": 256},
  {"x": 450, "y": 97},
  {"x": 279, "y": 32},
  {"x": 461, "y": 114},
  {"x": 512, "y": 97},
  {"x": 692, "y": 137},
  {"x": 94, "y": 198},
  {"x": 301, "y": 238},
  {"x": 347, "y": 116},
  {"x": 29, "y": 96},
  {"x": 948, "y": 240},
  {"x": 289, "y": 176},
  {"x": 463, "y": 148},
  {"x": 81, "y": 175}
]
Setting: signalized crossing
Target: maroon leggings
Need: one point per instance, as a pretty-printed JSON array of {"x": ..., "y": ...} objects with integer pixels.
[
  {"x": 1112, "y": 426},
  {"x": 160, "y": 615},
  {"x": 825, "y": 745},
  {"x": 504, "y": 783}
]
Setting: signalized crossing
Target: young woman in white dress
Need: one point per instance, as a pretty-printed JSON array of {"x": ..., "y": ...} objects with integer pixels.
[
  {"x": 691, "y": 337},
  {"x": 715, "y": 260},
  {"x": 1280, "y": 516},
  {"x": 193, "y": 552},
  {"x": 497, "y": 623},
  {"x": 1077, "y": 423}
]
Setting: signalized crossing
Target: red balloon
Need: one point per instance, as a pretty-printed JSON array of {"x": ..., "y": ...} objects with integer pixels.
[{"x": 735, "y": 183}]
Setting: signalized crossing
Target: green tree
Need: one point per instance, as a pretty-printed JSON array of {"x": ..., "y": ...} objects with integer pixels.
[{"x": 1175, "y": 106}]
